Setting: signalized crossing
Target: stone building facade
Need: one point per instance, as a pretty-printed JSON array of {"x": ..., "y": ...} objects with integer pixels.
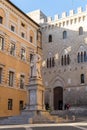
[
  {"x": 64, "y": 59},
  {"x": 19, "y": 38},
  {"x": 64, "y": 66}
]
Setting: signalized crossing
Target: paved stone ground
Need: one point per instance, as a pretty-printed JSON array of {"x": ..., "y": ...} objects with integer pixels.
[
  {"x": 79, "y": 124},
  {"x": 49, "y": 128},
  {"x": 57, "y": 128},
  {"x": 61, "y": 126},
  {"x": 13, "y": 128}
]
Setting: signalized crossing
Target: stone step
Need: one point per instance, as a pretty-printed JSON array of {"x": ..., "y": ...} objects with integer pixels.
[
  {"x": 78, "y": 111},
  {"x": 26, "y": 118},
  {"x": 7, "y": 121}
]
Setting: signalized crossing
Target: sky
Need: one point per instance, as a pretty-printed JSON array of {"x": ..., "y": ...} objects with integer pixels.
[{"x": 50, "y": 7}]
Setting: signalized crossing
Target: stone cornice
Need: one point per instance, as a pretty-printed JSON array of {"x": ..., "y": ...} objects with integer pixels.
[{"x": 19, "y": 13}]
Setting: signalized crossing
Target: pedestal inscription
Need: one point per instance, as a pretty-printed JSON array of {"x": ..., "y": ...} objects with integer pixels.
[{"x": 32, "y": 97}]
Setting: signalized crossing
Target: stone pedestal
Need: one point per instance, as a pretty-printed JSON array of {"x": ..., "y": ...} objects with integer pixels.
[
  {"x": 34, "y": 112},
  {"x": 36, "y": 94}
]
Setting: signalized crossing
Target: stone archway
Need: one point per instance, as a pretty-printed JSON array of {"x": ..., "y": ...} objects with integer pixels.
[{"x": 58, "y": 98}]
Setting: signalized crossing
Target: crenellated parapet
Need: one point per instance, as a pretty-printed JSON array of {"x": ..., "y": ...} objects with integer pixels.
[
  {"x": 64, "y": 15},
  {"x": 65, "y": 21}
]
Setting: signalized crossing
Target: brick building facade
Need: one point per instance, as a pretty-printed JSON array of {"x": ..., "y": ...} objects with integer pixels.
[{"x": 19, "y": 38}]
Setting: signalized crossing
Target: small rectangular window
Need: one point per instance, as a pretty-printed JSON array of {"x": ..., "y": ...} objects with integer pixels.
[
  {"x": 1, "y": 43},
  {"x": 23, "y": 53},
  {"x": 10, "y": 104},
  {"x": 0, "y": 75},
  {"x": 12, "y": 49},
  {"x": 22, "y": 81},
  {"x": 12, "y": 28},
  {"x": 21, "y": 105},
  {"x": 31, "y": 39},
  {"x": 11, "y": 78},
  {"x": 22, "y": 34},
  {"x": 22, "y": 24},
  {"x": 1, "y": 20}
]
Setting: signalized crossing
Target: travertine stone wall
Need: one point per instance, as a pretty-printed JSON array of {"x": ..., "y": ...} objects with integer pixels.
[{"x": 67, "y": 77}]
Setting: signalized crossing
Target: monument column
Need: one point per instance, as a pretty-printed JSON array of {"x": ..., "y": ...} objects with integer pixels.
[{"x": 36, "y": 88}]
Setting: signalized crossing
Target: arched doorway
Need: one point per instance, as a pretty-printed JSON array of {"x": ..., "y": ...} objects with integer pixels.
[{"x": 58, "y": 98}]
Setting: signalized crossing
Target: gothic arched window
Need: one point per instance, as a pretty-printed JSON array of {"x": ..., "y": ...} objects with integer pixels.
[
  {"x": 65, "y": 60},
  {"x": 85, "y": 56},
  {"x": 50, "y": 62},
  {"x": 50, "y": 38},
  {"x": 81, "y": 56},
  {"x": 64, "y": 34},
  {"x": 47, "y": 63},
  {"x": 78, "y": 57},
  {"x": 82, "y": 78},
  {"x": 62, "y": 60},
  {"x": 53, "y": 62},
  {"x": 80, "y": 30},
  {"x": 68, "y": 59}
]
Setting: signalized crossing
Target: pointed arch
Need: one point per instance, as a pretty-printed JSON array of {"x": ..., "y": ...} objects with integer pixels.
[
  {"x": 62, "y": 60},
  {"x": 50, "y": 38},
  {"x": 50, "y": 60},
  {"x": 78, "y": 57},
  {"x": 82, "y": 78},
  {"x": 80, "y": 30},
  {"x": 65, "y": 57},
  {"x": 82, "y": 54},
  {"x": 64, "y": 34}
]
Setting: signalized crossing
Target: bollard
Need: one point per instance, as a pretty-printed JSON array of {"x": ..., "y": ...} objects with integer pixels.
[
  {"x": 67, "y": 117},
  {"x": 30, "y": 121},
  {"x": 73, "y": 118}
]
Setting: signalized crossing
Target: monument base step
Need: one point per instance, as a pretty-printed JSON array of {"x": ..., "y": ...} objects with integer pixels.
[
  {"x": 45, "y": 117},
  {"x": 32, "y": 117}
]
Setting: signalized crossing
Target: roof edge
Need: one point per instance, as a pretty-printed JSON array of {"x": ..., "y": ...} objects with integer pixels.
[{"x": 22, "y": 12}]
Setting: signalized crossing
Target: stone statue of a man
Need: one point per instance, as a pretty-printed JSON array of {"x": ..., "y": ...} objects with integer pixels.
[{"x": 35, "y": 65}]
